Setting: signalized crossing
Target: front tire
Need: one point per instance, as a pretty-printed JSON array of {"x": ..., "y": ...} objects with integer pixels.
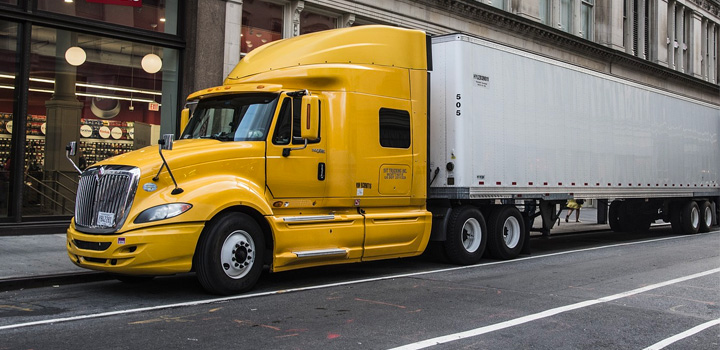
[
  {"x": 506, "y": 233},
  {"x": 466, "y": 236},
  {"x": 230, "y": 254}
]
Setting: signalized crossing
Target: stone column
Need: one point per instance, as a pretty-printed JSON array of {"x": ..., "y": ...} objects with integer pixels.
[
  {"x": 672, "y": 40},
  {"x": 527, "y": 8},
  {"x": 694, "y": 47},
  {"x": 680, "y": 37},
  {"x": 233, "y": 25},
  {"x": 609, "y": 23},
  {"x": 63, "y": 109},
  {"x": 659, "y": 33},
  {"x": 293, "y": 13}
]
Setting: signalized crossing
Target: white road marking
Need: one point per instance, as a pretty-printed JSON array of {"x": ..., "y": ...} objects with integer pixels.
[
  {"x": 322, "y": 286},
  {"x": 540, "y": 315},
  {"x": 683, "y": 335}
]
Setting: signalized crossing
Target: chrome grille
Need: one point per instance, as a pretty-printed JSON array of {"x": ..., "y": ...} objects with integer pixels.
[{"x": 104, "y": 197}]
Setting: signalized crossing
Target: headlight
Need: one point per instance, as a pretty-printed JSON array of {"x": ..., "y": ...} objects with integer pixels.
[{"x": 162, "y": 212}]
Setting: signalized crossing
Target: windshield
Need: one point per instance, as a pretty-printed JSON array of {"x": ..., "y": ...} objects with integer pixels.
[{"x": 232, "y": 118}]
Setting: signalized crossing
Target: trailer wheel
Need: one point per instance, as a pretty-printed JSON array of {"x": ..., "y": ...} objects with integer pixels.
[
  {"x": 614, "y": 216},
  {"x": 685, "y": 218},
  {"x": 706, "y": 217},
  {"x": 230, "y": 254},
  {"x": 466, "y": 236},
  {"x": 506, "y": 233}
]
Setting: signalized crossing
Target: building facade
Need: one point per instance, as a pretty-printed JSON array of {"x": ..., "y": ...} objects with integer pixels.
[{"x": 112, "y": 74}]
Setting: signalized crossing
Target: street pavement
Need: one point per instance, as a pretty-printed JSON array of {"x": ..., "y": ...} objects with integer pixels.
[{"x": 28, "y": 258}]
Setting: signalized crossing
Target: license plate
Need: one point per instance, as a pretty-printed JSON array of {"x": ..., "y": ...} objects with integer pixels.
[{"x": 106, "y": 219}]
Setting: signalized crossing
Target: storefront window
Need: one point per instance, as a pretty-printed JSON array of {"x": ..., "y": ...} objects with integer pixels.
[
  {"x": 311, "y": 22},
  {"x": 8, "y": 44},
  {"x": 153, "y": 15},
  {"x": 107, "y": 94},
  {"x": 262, "y": 22}
]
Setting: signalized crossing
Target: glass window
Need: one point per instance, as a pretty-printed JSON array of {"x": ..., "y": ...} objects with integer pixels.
[
  {"x": 587, "y": 18},
  {"x": 153, "y": 15},
  {"x": 262, "y": 22},
  {"x": 497, "y": 3},
  {"x": 394, "y": 128},
  {"x": 311, "y": 22},
  {"x": 8, "y": 45},
  {"x": 107, "y": 94},
  {"x": 545, "y": 11},
  {"x": 232, "y": 118},
  {"x": 12, "y": 2},
  {"x": 565, "y": 14},
  {"x": 281, "y": 136}
]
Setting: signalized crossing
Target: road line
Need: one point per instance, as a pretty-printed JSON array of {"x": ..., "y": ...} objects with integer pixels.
[
  {"x": 323, "y": 286},
  {"x": 697, "y": 329},
  {"x": 552, "y": 312}
]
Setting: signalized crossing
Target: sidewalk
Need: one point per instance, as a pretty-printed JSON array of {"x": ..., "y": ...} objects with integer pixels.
[{"x": 34, "y": 258}]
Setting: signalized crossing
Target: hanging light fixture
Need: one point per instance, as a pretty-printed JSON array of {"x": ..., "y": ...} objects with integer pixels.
[
  {"x": 151, "y": 63},
  {"x": 75, "y": 56}
]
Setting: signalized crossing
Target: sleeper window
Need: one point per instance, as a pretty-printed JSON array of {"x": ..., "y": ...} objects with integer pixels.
[{"x": 394, "y": 128}]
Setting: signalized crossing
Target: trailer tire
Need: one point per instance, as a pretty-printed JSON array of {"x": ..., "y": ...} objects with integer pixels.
[
  {"x": 685, "y": 218},
  {"x": 230, "y": 254},
  {"x": 506, "y": 233},
  {"x": 466, "y": 236},
  {"x": 706, "y": 217},
  {"x": 614, "y": 216}
]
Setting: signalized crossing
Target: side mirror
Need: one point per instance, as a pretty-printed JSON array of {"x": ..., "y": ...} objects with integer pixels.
[
  {"x": 166, "y": 142},
  {"x": 184, "y": 118},
  {"x": 310, "y": 118},
  {"x": 71, "y": 148}
]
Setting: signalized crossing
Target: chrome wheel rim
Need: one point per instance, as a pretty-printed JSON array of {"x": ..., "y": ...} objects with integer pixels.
[
  {"x": 708, "y": 216},
  {"x": 511, "y": 232},
  {"x": 471, "y": 235},
  {"x": 237, "y": 254},
  {"x": 695, "y": 217}
]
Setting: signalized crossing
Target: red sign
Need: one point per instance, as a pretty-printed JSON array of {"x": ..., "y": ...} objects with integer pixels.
[
  {"x": 153, "y": 106},
  {"x": 135, "y": 3}
]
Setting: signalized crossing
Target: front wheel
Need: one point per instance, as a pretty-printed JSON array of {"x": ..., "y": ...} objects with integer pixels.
[
  {"x": 466, "y": 236},
  {"x": 230, "y": 254}
]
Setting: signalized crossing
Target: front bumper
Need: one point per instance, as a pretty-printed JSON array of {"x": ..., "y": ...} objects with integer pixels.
[{"x": 156, "y": 250}]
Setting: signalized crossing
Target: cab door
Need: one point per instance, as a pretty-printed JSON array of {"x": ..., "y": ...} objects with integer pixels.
[{"x": 293, "y": 170}]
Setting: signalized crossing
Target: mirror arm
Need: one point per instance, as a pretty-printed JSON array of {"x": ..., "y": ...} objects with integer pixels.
[
  {"x": 286, "y": 151},
  {"x": 177, "y": 189},
  {"x": 70, "y": 149}
]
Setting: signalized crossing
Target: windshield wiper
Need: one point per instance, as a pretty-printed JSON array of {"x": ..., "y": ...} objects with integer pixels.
[{"x": 221, "y": 136}]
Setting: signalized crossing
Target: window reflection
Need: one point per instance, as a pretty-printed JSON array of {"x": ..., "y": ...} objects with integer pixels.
[
  {"x": 311, "y": 22},
  {"x": 153, "y": 15},
  {"x": 7, "y": 82},
  {"x": 262, "y": 23}
]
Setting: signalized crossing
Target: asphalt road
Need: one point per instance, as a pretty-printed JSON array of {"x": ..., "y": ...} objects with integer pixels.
[{"x": 584, "y": 291}]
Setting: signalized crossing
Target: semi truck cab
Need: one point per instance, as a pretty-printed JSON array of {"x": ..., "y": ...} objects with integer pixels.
[{"x": 313, "y": 152}]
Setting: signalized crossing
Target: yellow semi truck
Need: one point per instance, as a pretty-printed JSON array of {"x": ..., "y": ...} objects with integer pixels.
[{"x": 316, "y": 151}]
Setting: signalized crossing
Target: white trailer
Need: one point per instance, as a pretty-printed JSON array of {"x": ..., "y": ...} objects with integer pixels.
[{"x": 513, "y": 127}]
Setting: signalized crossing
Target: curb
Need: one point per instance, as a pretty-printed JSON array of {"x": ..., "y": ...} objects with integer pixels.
[{"x": 8, "y": 284}]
